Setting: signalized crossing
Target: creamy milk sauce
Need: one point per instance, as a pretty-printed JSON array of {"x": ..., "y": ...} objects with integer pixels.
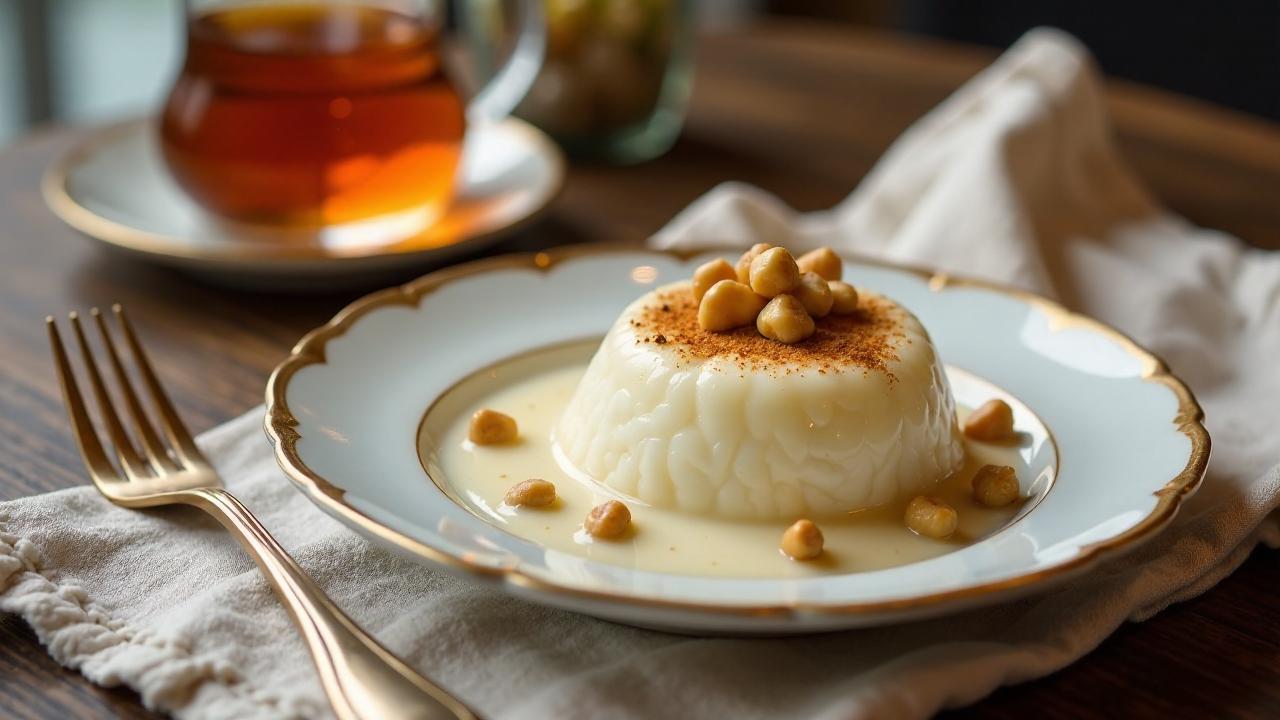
[{"x": 534, "y": 390}]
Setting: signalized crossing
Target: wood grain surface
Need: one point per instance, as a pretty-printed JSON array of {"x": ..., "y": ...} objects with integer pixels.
[{"x": 800, "y": 109}]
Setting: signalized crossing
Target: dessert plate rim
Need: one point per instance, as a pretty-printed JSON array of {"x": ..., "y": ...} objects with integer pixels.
[{"x": 282, "y": 430}]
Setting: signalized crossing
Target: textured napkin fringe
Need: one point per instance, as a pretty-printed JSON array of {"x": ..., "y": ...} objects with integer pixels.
[{"x": 83, "y": 636}]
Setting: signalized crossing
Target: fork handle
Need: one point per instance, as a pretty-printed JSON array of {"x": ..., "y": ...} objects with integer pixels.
[{"x": 362, "y": 678}]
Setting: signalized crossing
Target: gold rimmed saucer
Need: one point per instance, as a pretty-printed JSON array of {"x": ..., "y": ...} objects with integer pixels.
[{"x": 114, "y": 187}]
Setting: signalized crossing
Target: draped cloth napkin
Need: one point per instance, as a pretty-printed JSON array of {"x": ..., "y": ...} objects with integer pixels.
[{"x": 1014, "y": 178}]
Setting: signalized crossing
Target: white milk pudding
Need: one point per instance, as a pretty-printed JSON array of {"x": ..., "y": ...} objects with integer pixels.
[
  {"x": 735, "y": 425},
  {"x": 766, "y": 419}
]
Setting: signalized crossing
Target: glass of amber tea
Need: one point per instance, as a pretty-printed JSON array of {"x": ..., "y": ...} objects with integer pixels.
[{"x": 321, "y": 114}]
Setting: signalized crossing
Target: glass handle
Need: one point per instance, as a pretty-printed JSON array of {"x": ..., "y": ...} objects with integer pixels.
[{"x": 512, "y": 81}]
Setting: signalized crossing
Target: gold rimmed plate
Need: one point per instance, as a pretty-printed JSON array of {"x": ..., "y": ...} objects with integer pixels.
[
  {"x": 114, "y": 188},
  {"x": 343, "y": 413}
]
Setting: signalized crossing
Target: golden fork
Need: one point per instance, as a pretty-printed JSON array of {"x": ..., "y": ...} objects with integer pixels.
[{"x": 362, "y": 678}]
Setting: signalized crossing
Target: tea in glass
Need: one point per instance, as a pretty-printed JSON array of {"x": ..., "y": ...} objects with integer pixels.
[{"x": 313, "y": 114}]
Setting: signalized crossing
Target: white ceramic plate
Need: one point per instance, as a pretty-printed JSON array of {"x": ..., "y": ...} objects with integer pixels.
[
  {"x": 115, "y": 188},
  {"x": 344, "y": 409}
]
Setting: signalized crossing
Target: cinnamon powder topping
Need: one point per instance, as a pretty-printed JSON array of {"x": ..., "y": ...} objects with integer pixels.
[{"x": 863, "y": 340}]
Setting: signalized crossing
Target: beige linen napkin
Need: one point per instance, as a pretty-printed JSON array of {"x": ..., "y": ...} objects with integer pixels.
[{"x": 1014, "y": 178}]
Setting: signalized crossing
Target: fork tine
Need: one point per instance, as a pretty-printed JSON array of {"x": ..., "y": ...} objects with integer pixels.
[
  {"x": 177, "y": 431},
  {"x": 133, "y": 465},
  {"x": 150, "y": 441},
  {"x": 95, "y": 458}
]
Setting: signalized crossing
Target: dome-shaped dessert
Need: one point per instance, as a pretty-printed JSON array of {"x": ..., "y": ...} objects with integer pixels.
[{"x": 737, "y": 425}]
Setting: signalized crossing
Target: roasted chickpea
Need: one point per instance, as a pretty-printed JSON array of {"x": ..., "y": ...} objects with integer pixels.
[
  {"x": 727, "y": 305},
  {"x": 774, "y": 272},
  {"x": 824, "y": 261},
  {"x": 534, "y": 492},
  {"x": 844, "y": 298},
  {"x": 995, "y": 485},
  {"x": 608, "y": 520},
  {"x": 931, "y": 517},
  {"x": 992, "y": 422},
  {"x": 785, "y": 320},
  {"x": 709, "y": 274},
  {"x": 490, "y": 427},
  {"x": 802, "y": 541},
  {"x": 814, "y": 294}
]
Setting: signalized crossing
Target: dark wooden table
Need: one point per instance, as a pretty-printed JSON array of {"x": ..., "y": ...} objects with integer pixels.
[{"x": 800, "y": 109}]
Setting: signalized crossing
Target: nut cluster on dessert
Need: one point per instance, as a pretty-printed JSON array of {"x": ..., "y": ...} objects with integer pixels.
[{"x": 780, "y": 294}]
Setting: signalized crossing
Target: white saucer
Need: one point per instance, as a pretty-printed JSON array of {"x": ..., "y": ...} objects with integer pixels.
[
  {"x": 115, "y": 188},
  {"x": 344, "y": 408}
]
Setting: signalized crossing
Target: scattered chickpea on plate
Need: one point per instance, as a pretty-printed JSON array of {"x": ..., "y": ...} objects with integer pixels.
[
  {"x": 802, "y": 541},
  {"x": 490, "y": 427},
  {"x": 534, "y": 492},
  {"x": 931, "y": 517},
  {"x": 608, "y": 520},
  {"x": 995, "y": 486},
  {"x": 991, "y": 422}
]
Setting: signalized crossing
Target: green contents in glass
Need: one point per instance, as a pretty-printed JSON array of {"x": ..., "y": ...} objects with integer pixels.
[{"x": 616, "y": 78}]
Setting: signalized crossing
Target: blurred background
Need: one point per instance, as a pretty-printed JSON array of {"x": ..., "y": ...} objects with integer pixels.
[{"x": 70, "y": 61}]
